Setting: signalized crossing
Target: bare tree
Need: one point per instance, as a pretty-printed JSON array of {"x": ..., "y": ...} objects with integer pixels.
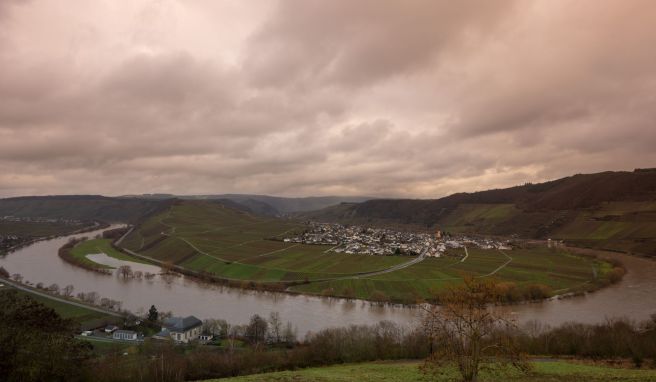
[
  {"x": 92, "y": 297},
  {"x": 211, "y": 326},
  {"x": 257, "y": 329},
  {"x": 105, "y": 302},
  {"x": 289, "y": 334},
  {"x": 53, "y": 288},
  {"x": 68, "y": 290},
  {"x": 468, "y": 331},
  {"x": 138, "y": 275},
  {"x": 125, "y": 271},
  {"x": 17, "y": 277},
  {"x": 275, "y": 327}
]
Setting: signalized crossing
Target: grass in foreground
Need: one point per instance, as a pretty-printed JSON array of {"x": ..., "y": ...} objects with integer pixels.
[{"x": 558, "y": 371}]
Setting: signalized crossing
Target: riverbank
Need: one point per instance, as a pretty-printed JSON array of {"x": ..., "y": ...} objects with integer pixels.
[
  {"x": 97, "y": 226},
  {"x": 222, "y": 246},
  {"x": 88, "y": 316}
]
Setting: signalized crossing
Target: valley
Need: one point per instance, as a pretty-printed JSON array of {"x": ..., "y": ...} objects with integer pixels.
[{"x": 225, "y": 244}]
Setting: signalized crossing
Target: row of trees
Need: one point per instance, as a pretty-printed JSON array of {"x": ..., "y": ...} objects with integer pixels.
[{"x": 126, "y": 272}]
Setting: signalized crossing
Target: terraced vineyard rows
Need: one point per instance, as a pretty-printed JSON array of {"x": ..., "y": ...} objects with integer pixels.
[{"x": 232, "y": 244}]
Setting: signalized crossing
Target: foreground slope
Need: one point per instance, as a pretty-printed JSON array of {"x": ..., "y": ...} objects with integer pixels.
[{"x": 409, "y": 371}]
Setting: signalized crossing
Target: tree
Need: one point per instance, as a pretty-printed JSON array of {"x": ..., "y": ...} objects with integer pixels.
[
  {"x": 275, "y": 325},
  {"x": 91, "y": 297},
  {"x": 466, "y": 331},
  {"x": 53, "y": 288},
  {"x": 36, "y": 344},
  {"x": 256, "y": 330},
  {"x": 68, "y": 290},
  {"x": 17, "y": 277},
  {"x": 125, "y": 271},
  {"x": 290, "y": 334},
  {"x": 4, "y": 273},
  {"x": 211, "y": 326},
  {"x": 153, "y": 314}
]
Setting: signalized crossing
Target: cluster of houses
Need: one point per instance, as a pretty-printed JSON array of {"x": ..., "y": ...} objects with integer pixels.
[
  {"x": 355, "y": 239},
  {"x": 177, "y": 329},
  {"x": 9, "y": 241},
  {"x": 21, "y": 219},
  {"x": 368, "y": 241}
]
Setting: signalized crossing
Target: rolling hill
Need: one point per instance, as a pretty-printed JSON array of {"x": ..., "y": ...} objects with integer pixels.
[
  {"x": 212, "y": 239},
  {"x": 610, "y": 210},
  {"x": 79, "y": 207}
]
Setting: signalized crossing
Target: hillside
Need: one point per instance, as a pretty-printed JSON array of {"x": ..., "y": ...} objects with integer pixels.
[
  {"x": 79, "y": 207},
  {"x": 264, "y": 204},
  {"x": 212, "y": 239},
  {"x": 613, "y": 210}
]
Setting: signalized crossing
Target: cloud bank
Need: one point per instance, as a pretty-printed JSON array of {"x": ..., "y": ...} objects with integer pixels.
[{"x": 409, "y": 98}]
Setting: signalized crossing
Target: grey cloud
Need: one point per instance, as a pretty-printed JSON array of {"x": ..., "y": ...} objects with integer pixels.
[
  {"x": 382, "y": 98},
  {"x": 359, "y": 43}
]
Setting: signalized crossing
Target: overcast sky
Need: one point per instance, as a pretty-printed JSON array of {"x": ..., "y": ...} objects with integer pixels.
[{"x": 402, "y": 98}]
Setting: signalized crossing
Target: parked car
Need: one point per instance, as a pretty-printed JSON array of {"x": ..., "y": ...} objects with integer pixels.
[{"x": 87, "y": 333}]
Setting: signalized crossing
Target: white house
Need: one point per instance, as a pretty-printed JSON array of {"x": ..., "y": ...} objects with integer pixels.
[
  {"x": 127, "y": 335},
  {"x": 181, "y": 329}
]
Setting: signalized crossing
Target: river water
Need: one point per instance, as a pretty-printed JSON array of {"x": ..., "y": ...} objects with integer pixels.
[{"x": 634, "y": 297}]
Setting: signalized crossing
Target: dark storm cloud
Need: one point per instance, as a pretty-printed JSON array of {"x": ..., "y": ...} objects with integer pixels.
[{"x": 392, "y": 98}]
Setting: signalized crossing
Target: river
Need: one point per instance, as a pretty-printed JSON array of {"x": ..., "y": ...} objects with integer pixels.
[{"x": 633, "y": 297}]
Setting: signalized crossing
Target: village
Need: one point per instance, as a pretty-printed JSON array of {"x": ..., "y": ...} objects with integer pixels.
[
  {"x": 354, "y": 239},
  {"x": 14, "y": 238}
]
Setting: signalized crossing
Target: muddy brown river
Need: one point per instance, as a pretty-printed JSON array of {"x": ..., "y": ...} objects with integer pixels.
[{"x": 634, "y": 297}]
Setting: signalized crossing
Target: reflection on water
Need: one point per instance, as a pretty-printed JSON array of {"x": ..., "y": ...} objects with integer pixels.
[{"x": 634, "y": 297}]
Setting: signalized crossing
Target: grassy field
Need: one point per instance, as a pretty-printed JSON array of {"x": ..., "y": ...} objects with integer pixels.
[
  {"x": 557, "y": 269},
  {"x": 559, "y": 371},
  {"x": 231, "y": 244},
  {"x": 95, "y": 246}
]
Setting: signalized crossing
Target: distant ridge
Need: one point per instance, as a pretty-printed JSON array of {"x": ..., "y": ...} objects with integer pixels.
[
  {"x": 79, "y": 207},
  {"x": 265, "y": 204},
  {"x": 613, "y": 210}
]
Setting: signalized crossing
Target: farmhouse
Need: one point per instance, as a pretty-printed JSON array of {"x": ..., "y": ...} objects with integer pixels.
[{"x": 180, "y": 329}]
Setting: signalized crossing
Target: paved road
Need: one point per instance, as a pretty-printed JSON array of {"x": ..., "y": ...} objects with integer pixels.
[{"x": 51, "y": 297}]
